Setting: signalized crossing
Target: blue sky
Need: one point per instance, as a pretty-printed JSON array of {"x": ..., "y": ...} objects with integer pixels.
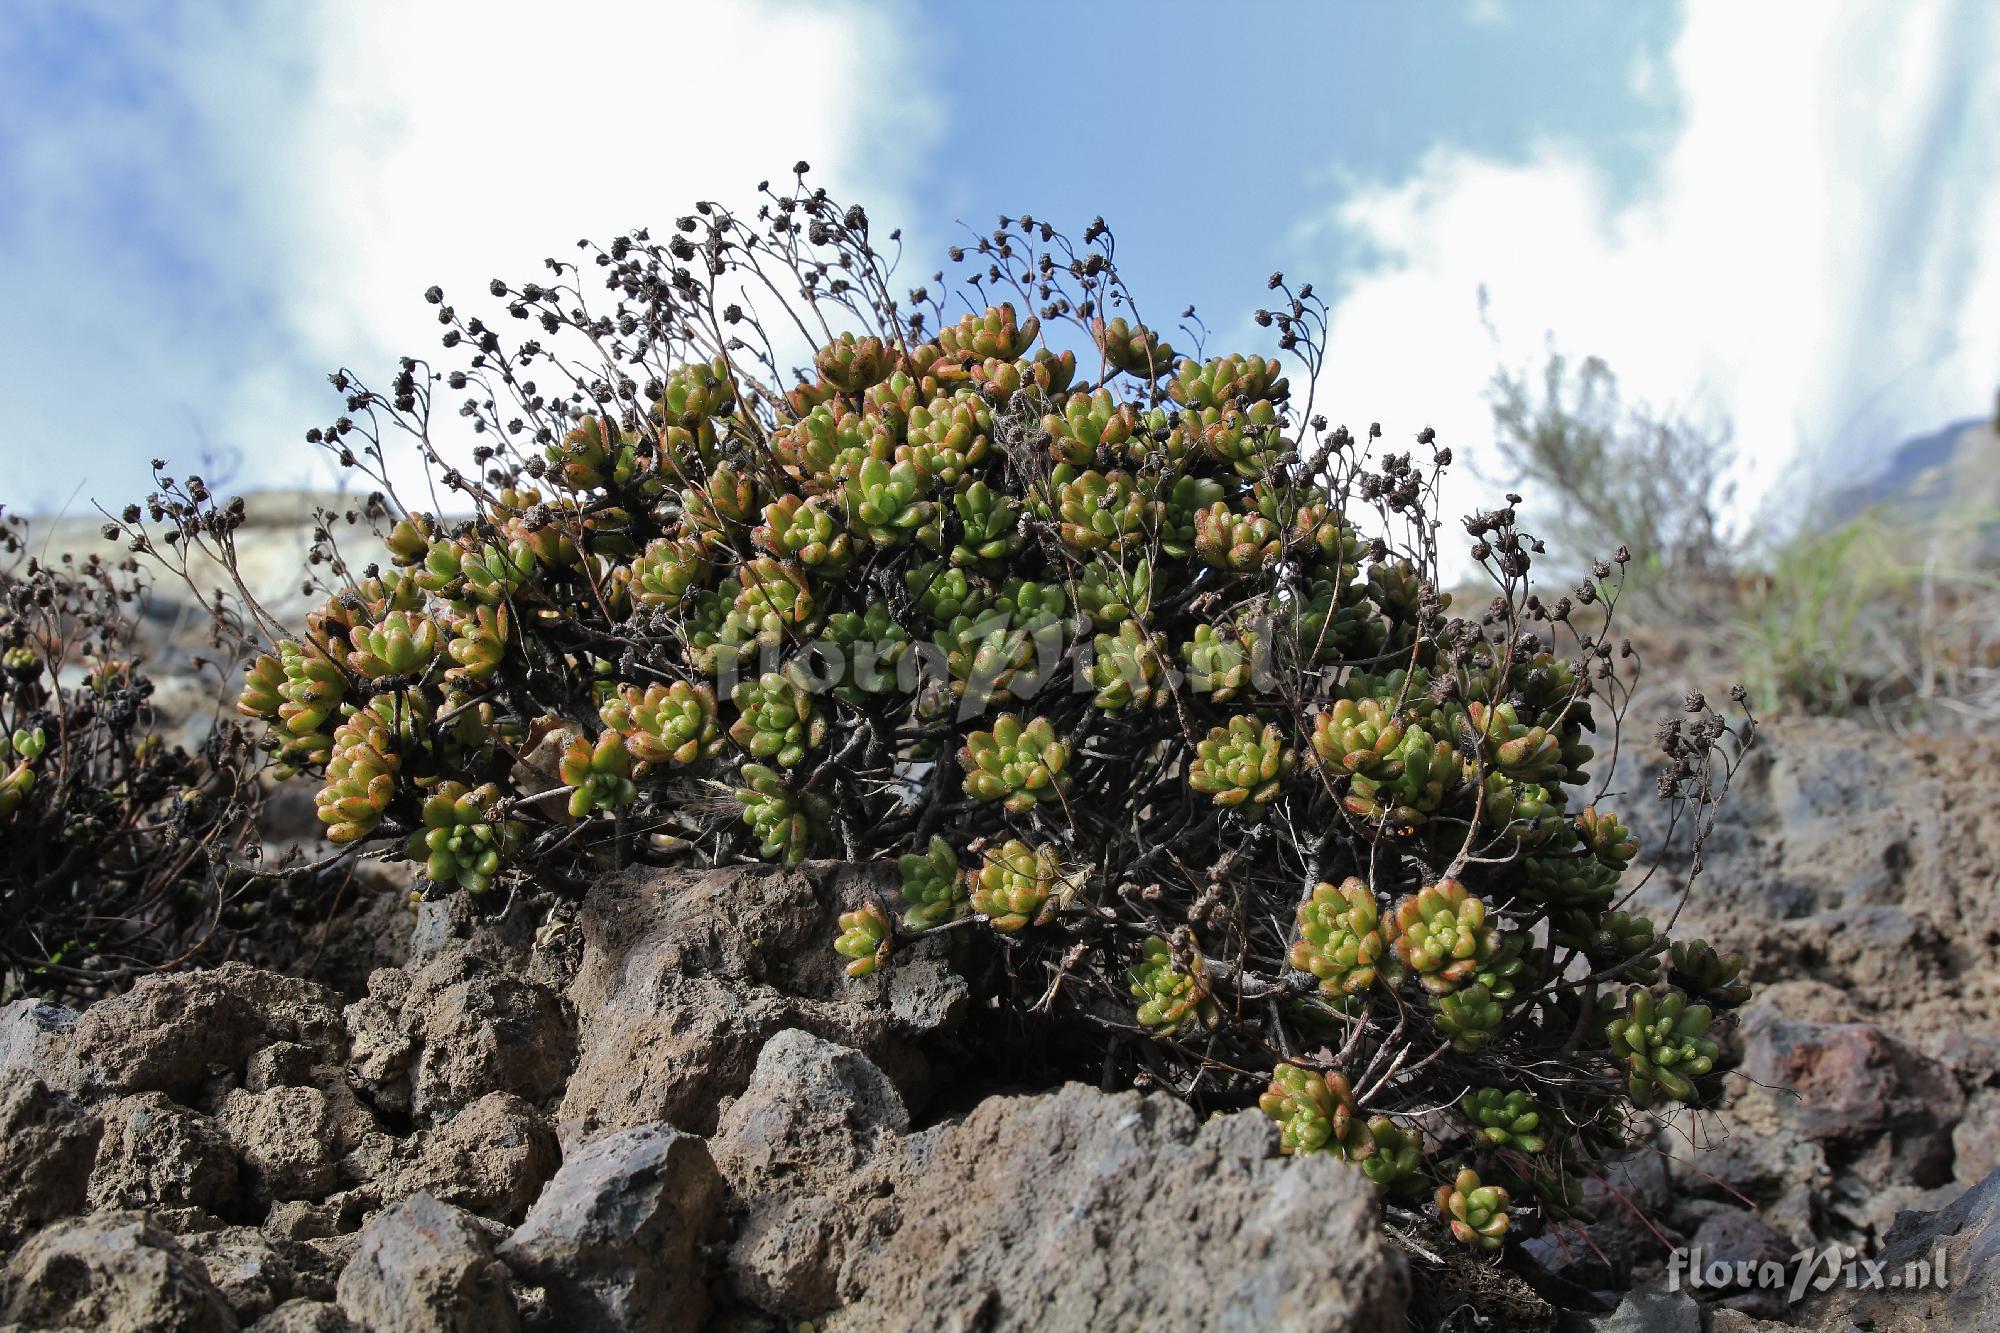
[{"x": 1779, "y": 214}]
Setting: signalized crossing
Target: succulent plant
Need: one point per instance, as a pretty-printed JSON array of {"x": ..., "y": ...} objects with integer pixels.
[
  {"x": 1102, "y": 511},
  {"x": 1315, "y": 1112},
  {"x": 1610, "y": 940},
  {"x": 933, "y": 886},
  {"x": 1219, "y": 664},
  {"x": 995, "y": 333},
  {"x": 1527, "y": 754},
  {"x": 478, "y": 644},
  {"x": 887, "y": 503},
  {"x": 600, "y": 774},
  {"x": 494, "y": 572},
  {"x": 945, "y": 594},
  {"x": 23, "y": 748},
  {"x": 361, "y": 778},
  {"x": 1505, "y": 1119},
  {"x": 1525, "y": 814},
  {"x": 1467, "y": 1017},
  {"x": 872, "y": 647},
  {"x": 1239, "y": 543},
  {"x": 1340, "y": 939},
  {"x": 852, "y": 364},
  {"x": 1132, "y": 348},
  {"x": 1183, "y": 503},
  {"x": 1243, "y": 764},
  {"x": 1441, "y": 934},
  {"x": 1018, "y": 764},
  {"x": 946, "y": 439},
  {"x": 461, "y": 842},
  {"x": 774, "y": 600},
  {"x": 665, "y": 724},
  {"x": 785, "y": 824},
  {"x": 989, "y": 526},
  {"x": 1128, "y": 670},
  {"x": 1172, "y": 994},
  {"x": 1112, "y": 591},
  {"x": 1088, "y": 425},
  {"x": 1012, "y": 885},
  {"x": 777, "y": 719},
  {"x": 885, "y": 538},
  {"x": 1395, "y": 1156},
  {"x": 1695, "y": 967},
  {"x": 1664, "y": 1042},
  {"x": 597, "y": 453},
  {"x": 865, "y": 936},
  {"x": 801, "y": 529},
  {"x": 403, "y": 643},
  {"x": 1244, "y": 439},
  {"x": 1607, "y": 837},
  {"x": 1225, "y": 379},
  {"x": 1476, "y": 1213},
  {"x": 1408, "y": 786}
]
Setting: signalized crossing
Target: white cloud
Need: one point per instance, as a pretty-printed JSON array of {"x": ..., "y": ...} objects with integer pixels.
[
  {"x": 303, "y": 174},
  {"x": 1813, "y": 256}
]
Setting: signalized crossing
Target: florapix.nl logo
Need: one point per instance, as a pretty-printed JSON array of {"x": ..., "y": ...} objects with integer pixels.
[{"x": 1808, "y": 1271}]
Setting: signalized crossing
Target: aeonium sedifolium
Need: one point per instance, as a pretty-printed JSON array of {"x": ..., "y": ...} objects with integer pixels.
[{"x": 1133, "y": 672}]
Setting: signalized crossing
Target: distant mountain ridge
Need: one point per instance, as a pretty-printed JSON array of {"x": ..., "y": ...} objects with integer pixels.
[{"x": 1945, "y": 483}]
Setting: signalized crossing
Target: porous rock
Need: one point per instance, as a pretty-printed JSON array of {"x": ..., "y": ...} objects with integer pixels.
[
  {"x": 433, "y": 1041},
  {"x": 685, "y": 976},
  {"x": 1083, "y": 1210},
  {"x": 171, "y": 1033},
  {"x": 46, "y": 1145},
  {"x": 304, "y": 1316},
  {"x": 252, "y": 1274},
  {"x": 790, "y": 1147},
  {"x": 1945, "y": 1267},
  {"x": 114, "y": 1272},
  {"x": 424, "y": 1267},
  {"x": 157, "y": 1154},
  {"x": 34, "y": 1039},
  {"x": 1855, "y": 1081},
  {"x": 492, "y": 1158},
  {"x": 286, "y": 1140},
  {"x": 614, "y": 1239}
]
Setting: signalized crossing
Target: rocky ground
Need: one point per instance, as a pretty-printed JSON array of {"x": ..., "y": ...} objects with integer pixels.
[{"x": 663, "y": 1107}]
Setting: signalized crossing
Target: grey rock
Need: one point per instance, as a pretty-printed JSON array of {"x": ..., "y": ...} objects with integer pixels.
[
  {"x": 172, "y": 1033},
  {"x": 282, "y": 1064},
  {"x": 423, "y": 1267},
  {"x": 1744, "y": 1244},
  {"x": 492, "y": 1158},
  {"x": 1975, "y": 1140},
  {"x": 685, "y": 975},
  {"x": 433, "y": 1041},
  {"x": 812, "y": 1108},
  {"x": 46, "y": 1146},
  {"x": 925, "y": 995},
  {"x": 157, "y": 1154},
  {"x": 1854, "y": 1081},
  {"x": 614, "y": 1240},
  {"x": 1962, "y": 1240},
  {"x": 1082, "y": 1210},
  {"x": 285, "y": 1138},
  {"x": 1651, "y": 1310},
  {"x": 250, "y": 1272},
  {"x": 790, "y": 1147},
  {"x": 34, "y": 1039},
  {"x": 113, "y": 1272},
  {"x": 304, "y": 1316}
]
